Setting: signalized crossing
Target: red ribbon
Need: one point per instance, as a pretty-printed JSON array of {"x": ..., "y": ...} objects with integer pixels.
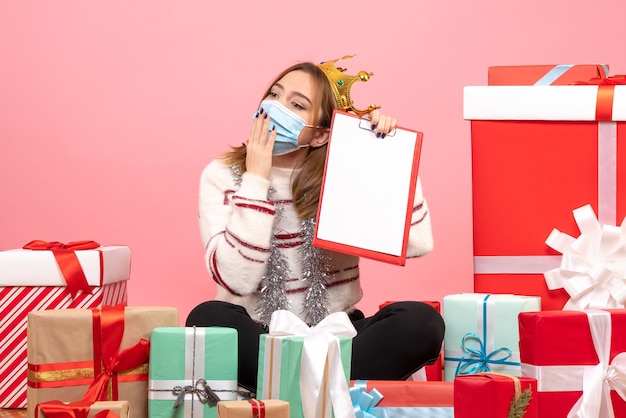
[
  {"x": 80, "y": 409},
  {"x": 108, "y": 330},
  {"x": 258, "y": 408},
  {"x": 106, "y": 413},
  {"x": 613, "y": 80},
  {"x": 68, "y": 262},
  {"x": 606, "y": 87}
]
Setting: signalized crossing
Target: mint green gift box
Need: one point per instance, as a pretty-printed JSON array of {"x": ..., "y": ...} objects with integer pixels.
[
  {"x": 182, "y": 359},
  {"x": 482, "y": 332},
  {"x": 279, "y": 368}
]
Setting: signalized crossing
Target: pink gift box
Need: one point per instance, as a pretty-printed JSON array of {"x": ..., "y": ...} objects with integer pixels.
[{"x": 32, "y": 281}]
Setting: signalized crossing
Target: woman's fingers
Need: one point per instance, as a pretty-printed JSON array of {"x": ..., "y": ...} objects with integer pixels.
[
  {"x": 382, "y": 124},
  {"x": 259, "y": 146},
  {"x": 256, "y": 132}
]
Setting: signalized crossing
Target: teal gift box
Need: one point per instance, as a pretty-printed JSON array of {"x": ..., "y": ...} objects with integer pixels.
[
  {"x": 482, "y": 333},
  {"x": 188, "y": 367},
  {"x": 281, "y": 365}
]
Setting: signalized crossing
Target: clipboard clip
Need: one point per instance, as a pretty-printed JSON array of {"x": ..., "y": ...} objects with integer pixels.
[{"x": 366, "y": 125}]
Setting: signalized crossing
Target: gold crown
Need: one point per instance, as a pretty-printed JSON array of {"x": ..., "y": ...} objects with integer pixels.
[{"x": 341, "y": 83}]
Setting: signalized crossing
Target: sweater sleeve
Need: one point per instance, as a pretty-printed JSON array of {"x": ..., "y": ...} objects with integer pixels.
[
  {"x": 236, "y": 226},
  {"x": 420, "y": 232}
]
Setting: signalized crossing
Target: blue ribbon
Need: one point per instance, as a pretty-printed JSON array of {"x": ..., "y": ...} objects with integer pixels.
[
  {"x": 364, "y": 402},
  {"x": 478, "y": 360},
  {"x": 556, "y": 72}
]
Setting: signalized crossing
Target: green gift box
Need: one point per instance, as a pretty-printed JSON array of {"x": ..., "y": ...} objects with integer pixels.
[
  {"x": 482, "y": 332},
  {"x": 188, "y": 367},
  {"x": 326, "y": 367}
]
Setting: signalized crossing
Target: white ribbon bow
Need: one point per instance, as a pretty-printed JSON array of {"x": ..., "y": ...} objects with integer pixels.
[
  {"x": 598, "y": 380},
  {"x": 321, "y": 363},
  {"x": 593, "y": 266}
]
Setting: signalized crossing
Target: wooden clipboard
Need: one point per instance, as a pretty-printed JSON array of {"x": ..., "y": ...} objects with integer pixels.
[{"x": 366, "y": 200}]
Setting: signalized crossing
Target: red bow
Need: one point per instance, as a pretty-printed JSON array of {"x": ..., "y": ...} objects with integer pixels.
[
  {"x": 58, "y": 409},
  {"x": 604, "y": 101},
  {"x": 68, "y": 262},
  {"x": 613, "y": 80},
  {"x": 108, "y": 331}
]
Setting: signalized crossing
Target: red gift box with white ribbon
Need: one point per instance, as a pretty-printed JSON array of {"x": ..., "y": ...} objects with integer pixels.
[
  {"x": 578, "y": 359},
  {"x": 538, "y": 152}
]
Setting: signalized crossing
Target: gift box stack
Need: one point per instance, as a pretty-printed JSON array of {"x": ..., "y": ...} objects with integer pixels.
[
  {"x": 547, "y": 162},
  {"x": 70, "y": 347},
  {"x": 51, "y": 275},
  {"x": 85, "y": 354}
]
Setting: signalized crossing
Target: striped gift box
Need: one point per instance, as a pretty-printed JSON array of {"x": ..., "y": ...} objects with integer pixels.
[{"x": 32, "y": 281}]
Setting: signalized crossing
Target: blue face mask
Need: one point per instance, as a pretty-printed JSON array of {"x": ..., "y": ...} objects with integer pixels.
[{"x": 288, "y": 126}]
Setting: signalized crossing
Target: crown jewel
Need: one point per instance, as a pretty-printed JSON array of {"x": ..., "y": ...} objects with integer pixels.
[{"x": 341, "y": 83}]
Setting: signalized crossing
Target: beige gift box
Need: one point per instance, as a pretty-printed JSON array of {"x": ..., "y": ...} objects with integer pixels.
[
  {"x": 61, "y": 351},
  {"x": 119, "y": 408},
  {"x": 273, "y": 408}
]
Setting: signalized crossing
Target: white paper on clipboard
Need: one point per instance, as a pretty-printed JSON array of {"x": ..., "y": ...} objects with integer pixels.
[{"x": 367, "y": 193}]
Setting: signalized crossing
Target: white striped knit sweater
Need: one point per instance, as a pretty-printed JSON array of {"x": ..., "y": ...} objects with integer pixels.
[{"x": 236, "y": 223}]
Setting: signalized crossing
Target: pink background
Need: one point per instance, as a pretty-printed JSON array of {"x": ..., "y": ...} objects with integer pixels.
[{"x": 109, "y": 110}]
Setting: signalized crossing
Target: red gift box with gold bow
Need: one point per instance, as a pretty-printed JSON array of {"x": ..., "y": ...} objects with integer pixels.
[
  {"x": 51, "y": 275},
  {"x": 538, "y": 153},
  {"x": 91, "y": 355},
  {"x": 494, "y": 395}
]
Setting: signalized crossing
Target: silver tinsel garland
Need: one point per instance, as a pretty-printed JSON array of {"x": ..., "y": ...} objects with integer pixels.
[
  {"x": 236, "y": 172},
  {"x": 316, "y": 271},
  {"x": 274, "y": 283}
]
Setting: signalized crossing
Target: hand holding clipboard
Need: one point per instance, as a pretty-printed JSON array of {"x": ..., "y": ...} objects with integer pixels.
[{"x": 367, "y": 191}]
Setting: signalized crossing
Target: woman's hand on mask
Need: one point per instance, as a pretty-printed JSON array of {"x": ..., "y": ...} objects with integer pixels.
[
  {"x": 259, "y": 146},
  {"x": 382, "y": 124}
]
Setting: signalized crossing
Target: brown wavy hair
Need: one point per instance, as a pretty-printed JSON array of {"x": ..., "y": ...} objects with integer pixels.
[{"x": 307, "y": 182}]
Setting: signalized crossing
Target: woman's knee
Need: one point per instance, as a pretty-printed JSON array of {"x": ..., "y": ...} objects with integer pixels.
[
  {"x": 418, "y": 317},
  {"x": 213, "y": 313},
  {"x": 414, "y": 309}
]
